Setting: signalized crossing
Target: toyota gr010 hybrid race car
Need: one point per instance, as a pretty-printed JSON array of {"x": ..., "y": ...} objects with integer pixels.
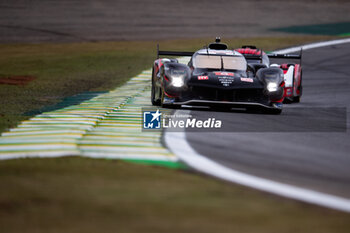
[{"x": 216, "y": 76}]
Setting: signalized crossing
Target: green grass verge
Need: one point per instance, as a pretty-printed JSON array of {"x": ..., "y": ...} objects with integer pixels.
[
  {"x": 93, "y": 195},
  {"x": 66, "y": 69},
  {"x": 167, "y": 164}
]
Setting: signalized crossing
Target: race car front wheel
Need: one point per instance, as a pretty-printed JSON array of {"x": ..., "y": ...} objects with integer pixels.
[
  {"x": 154, "y": 101},
  {"x": 172, "y": 106}
]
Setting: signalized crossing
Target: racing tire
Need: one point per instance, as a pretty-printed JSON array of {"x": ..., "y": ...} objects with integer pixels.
[
  {"x": 296, "y": 99},
  {"x": 153, "y": 93},
  {"x": 288, "y": 100}
]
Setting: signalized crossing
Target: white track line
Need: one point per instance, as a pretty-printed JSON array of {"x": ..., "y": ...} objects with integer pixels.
[
  {"x": 313, "y": 45},
  {"x": 178, "y": 144}
]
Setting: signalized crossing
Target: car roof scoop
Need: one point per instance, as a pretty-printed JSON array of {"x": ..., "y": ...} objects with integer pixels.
[{"x": 217, "y": 45}]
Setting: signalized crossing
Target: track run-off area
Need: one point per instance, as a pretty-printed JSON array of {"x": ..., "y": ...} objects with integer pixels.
[
  {"x": 105, "y": 126},
  {"x": 110, "y": 126}
]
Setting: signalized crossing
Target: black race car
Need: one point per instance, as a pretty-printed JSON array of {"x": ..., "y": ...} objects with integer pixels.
[{"x": 218, "y": 77}]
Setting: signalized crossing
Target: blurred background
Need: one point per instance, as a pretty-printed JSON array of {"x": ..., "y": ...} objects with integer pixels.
[
  {"x": 92, "y": 20},
  {"x": 58, "y": 53}
]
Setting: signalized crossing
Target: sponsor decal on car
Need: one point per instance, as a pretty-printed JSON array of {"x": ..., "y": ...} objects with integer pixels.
[
  {"x": 203, "y": 77},
  {"x": 249, "y": 80},
  {"x": 224, "y": 74},
  {"x": 226, "y": 81}
]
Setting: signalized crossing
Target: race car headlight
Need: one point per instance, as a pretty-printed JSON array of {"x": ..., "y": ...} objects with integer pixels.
[
  {"x": 177, "y": 80},
  {"x": 176, "y": 76},
  {"x": 271, "y": 87}
]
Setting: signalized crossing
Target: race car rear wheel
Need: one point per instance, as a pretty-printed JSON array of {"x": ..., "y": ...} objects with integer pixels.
[
  {"x": 300, "y": 88},
  {"x": 296, "y": 99}
]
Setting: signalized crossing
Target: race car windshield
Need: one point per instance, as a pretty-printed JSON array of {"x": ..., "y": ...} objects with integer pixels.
[{"x": 219, "y": 62}]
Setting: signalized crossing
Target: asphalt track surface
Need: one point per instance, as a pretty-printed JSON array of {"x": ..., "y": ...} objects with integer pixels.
[{"x": 312, "y": 151}]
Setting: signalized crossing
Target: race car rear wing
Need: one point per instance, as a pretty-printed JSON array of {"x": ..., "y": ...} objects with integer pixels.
[
  {"x": 247, "y": 56},
  {"x": 173, "y": 53},
  {"x": 287, "y": 56},
  {"x": 275, "y": 55}
]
